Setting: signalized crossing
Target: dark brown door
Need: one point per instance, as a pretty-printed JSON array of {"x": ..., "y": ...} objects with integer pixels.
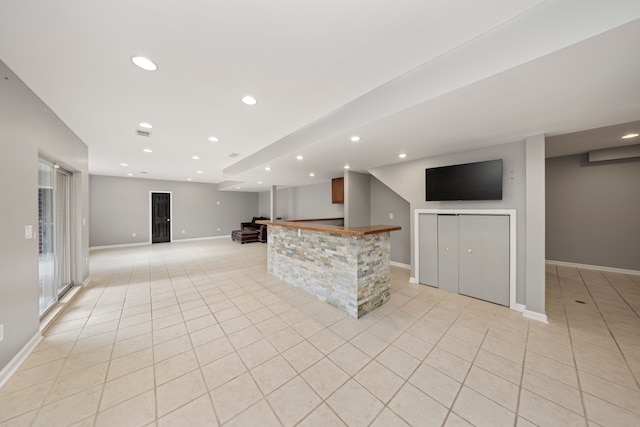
[{"x": 161, "y": 217}]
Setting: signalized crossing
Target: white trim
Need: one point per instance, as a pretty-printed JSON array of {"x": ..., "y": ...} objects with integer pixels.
[
  {"x": 193, "y": 239},
  {"x": 512, "y": 240},
  {"x": 593, "y": 267},
  {"x": 151, "y": 214},
  {"x": 520, "y": 307},
  {"x": 86, "y": 282},
  {"x": 15, "y": 363},
  {"x": 413, "y": 280},
  {"x": 534, "y": 315},
  {"x": 122, "y": 245},
  {"x": 401, "y": 265}
]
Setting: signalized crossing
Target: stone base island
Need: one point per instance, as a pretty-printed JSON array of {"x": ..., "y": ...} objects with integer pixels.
[{"x": 347, "y": 267}]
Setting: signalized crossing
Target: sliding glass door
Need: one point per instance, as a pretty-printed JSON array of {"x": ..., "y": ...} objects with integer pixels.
[{"x": 54, "y": 223}]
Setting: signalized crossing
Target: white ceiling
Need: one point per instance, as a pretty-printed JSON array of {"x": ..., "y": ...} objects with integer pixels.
[{"x": 423, "y": 77}]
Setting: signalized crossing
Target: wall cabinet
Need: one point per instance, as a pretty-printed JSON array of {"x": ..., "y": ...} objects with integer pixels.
[
  {"x": 467, "y": 254},
  {"x": 337, "y": 190}
]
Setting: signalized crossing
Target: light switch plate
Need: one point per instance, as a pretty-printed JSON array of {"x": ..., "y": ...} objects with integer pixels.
[
  {"x": 28, "y": 232},
  {"x": 1, "y": 332}
]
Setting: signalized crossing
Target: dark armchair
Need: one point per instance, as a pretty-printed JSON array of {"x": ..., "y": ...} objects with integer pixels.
[{"x": 260, "y": 228}]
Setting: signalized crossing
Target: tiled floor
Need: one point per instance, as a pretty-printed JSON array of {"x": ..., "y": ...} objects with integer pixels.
[{"x": 197, "y": 333}]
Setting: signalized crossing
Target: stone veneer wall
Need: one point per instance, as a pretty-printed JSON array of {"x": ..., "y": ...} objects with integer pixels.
[{"x": 350, "y": 272}]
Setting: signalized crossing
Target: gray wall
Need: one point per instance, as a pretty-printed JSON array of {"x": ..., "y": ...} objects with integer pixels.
[
  {"x": 308, "y": 201},
  {"x": 408, "y": 180},
  {"x": 28, "y": 128},
  {"x": 357, "y": 199},
  {"x": 385, "y": 201},
  {"x": 593, "y": 212},
  {"x": 121, "y": 207}
]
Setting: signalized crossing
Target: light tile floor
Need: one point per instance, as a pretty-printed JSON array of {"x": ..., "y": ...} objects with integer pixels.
[{"x": 197, "y": 333}]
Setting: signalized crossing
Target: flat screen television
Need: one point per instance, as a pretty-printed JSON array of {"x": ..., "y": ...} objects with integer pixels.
[{"x": 469, "y": 181}]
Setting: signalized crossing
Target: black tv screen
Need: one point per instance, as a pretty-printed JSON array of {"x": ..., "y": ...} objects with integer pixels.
[{"x": 470, "y": 181}]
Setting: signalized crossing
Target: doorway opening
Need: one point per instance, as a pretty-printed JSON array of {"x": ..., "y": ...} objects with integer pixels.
[{"x": 55, "y": 233}]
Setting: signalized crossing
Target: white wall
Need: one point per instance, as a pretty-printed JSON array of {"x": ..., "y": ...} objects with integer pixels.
[
  {"x": 408, "y": 180},
  {"x": 28, "y": 128},
  {"x": 121, "y": 207},
  {"x": 384, "y": 201},
  {"x": 304, "y": 202}
]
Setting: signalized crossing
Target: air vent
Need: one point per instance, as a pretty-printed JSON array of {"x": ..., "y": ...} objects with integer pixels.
[
  {"x": 143, "y": 133},
  {"x": 144, "y": 172},
  {"x": 234, "y": 155}
]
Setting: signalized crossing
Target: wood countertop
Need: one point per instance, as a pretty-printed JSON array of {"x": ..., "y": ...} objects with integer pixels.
[{"x": 335, "y": 229}]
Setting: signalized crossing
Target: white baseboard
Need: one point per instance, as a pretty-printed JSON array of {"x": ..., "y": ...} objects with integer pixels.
[
  {"x": 123, "y": 245},
  {"x": 520, "y": 307},
  {"x": 228, "y": 236},
  {"x": 401, "y": 265},
  {"x": 19, "y": 359},
  {"x": 413, "y": 280},
  {"x": 593, "y": 267},
  {"x": 86, "y": 282},
  {"x": 534, "y": 315}
]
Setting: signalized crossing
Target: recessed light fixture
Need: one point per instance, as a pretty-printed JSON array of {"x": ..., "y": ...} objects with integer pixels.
[
  {"x": 355, "y": 138},
  {"x": 237, "y": 188},
  {"x": 259, "y": 182},
  {"x": 402, "y": 155},
  {"x": 145, "y": 125},
  {"x": 213, "y": 139},
  {"x": 299, "y": 157},
  {"x": 267, "y": 168},
  {"x": 630, "y": 135},
  {"x": 195, "y": 157},
  {"x": 124, "y": 164},
  {"x": 144, "y": 63},
  {"x": 188, "y": 179},
  {"x": 129, "y": 174},
  {"x": 198, "y": 171},
  {"x": 249, "y": 100},
  {"x": 347, "y": 166},
  {"x": 312, "y": 174},
  {"x": 147, "y": 150}
]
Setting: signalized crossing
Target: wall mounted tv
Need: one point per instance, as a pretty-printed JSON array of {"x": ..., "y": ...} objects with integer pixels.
[{"x": 469, "y": 181}]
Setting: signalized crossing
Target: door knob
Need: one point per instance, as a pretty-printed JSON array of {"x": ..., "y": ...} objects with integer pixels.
[{"x": 168, "y": 219}]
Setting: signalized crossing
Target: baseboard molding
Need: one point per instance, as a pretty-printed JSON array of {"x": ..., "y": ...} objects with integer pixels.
[
  {"x": 520, "y": 307},
  {"x": 86, "y": 282},
  {"x": 194, "y": 239},
  {"x": 534, "y": 315},
  {"x": 413, "y": 280},
  {"x": 401, "y": 265},
  {"x": 123, "y": 245},
  {"x": 19, "y": 359},
  {"x": 593, "y": 267}
]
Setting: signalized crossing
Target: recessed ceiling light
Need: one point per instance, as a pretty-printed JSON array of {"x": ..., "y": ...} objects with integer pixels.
[
  {"x": 237, "y": 188},
  {"x": 355, "y": 138},
  {"x": 259, "y": 182},
  {"x": 198, "y": 171},
  {"x": 249, "y": 100},
  {"x": 144, "y": 63},
  {"x": 124, "y": 164},
  {"x": 299, "y": 157},
  {"x": 347, "y": 166},
  {"x": 129, "y": 174},
  {"x": 147, "y": 150},
  {"x": 267, "y": 168},
  {"x": 312, "y": 174},
  {"x": 145, "y": 125},
  {"x": 188, "y": 179},
  {"x": 195, "y": 157},
  {"x": 402, "y": 155},
  {"x": 213, "y": 139},
  {"x": 630, "y": 135}
]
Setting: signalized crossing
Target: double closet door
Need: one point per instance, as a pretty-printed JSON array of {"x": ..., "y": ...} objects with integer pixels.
[{"x": 466, "y": 254}]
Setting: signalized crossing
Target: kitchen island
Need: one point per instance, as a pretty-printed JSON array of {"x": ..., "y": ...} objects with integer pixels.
[{"x": 347, "y": 267}]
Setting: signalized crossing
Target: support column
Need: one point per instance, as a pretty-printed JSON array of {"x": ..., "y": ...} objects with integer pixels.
[
  {"x": 535, "y": 231},
  {"x": 272, "y": 203}
]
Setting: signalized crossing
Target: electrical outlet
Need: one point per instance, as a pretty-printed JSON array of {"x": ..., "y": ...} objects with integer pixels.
[
  {"x": 133, "y": 234},
  {"x": 183, "y": 231},
  {"x": 28, "y": 232},
  {"x": 1, "y": 332},
  {"x": 391, "y": 216}
]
